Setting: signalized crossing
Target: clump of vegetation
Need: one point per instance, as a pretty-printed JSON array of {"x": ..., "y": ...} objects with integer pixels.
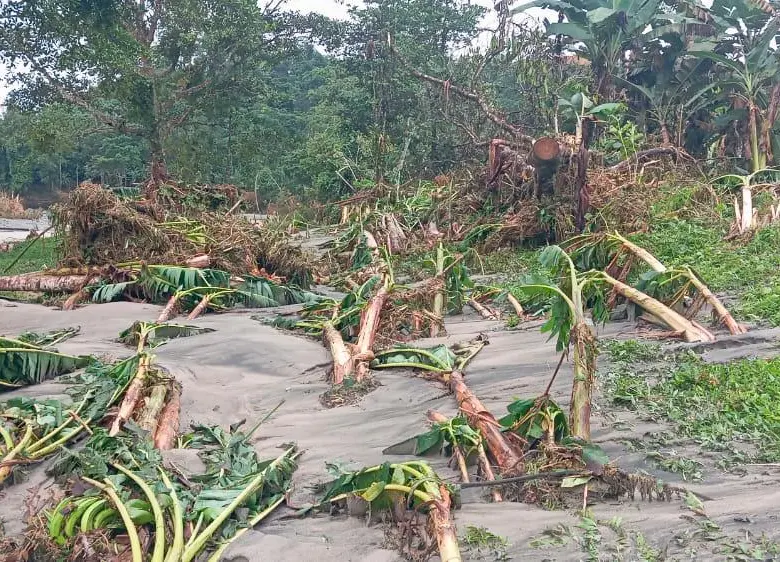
[{"x": 723, "y": 407}]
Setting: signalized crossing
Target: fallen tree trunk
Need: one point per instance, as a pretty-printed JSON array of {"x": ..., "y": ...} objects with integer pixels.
[
  {"x": 43, "y": 283},
  {"x": 484, "y": 312},
  {"x": 507, "y": 456},
  {"x": 516, "y": 305},
  {"x": 720, "y": 310}
]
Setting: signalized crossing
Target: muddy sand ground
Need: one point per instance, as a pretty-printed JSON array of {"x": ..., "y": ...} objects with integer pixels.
[{"x": 245, "y": 368}]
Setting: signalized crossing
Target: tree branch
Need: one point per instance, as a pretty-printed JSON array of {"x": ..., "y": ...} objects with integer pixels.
[{"x": 492, "y": 114}]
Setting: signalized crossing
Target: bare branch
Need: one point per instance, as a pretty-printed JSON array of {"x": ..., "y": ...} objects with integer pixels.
[{"x": 493, "y": 114}]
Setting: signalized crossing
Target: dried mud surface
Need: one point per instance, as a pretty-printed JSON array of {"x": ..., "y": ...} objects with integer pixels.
[{"x": 245, "y": 369}]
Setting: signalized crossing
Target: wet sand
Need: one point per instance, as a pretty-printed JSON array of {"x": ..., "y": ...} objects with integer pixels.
[{"x": 245, "y": 369}]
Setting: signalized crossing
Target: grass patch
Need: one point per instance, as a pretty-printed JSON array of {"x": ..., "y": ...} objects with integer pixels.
[
  {"x": 42, "y": 254},
  {"x": 482, "y": 544},
  {"x": 724, "y": 407}
]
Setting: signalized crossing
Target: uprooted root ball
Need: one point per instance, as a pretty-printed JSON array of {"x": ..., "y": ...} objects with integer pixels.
[{"x": 348, "y": 393}]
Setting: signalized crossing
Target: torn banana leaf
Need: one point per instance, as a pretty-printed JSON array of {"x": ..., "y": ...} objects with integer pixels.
[
  {"x": 160, "y": 333},
  {"x": 439, "y": 439},
  {"x": 440, "y": 359},
  {"x": 23, "y": 364}
]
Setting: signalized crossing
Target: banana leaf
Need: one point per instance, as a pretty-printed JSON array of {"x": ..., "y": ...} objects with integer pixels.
[
  {"x": 438, "y": 440},
  {"x": 23, "y": 364},
  {"x": 529, "y": 417},
  {"x": 160, "y": 333},
  {"x": 439, "y": 359}
]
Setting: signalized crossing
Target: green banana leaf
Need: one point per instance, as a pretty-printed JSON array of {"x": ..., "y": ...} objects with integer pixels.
[{"x": 24, "y": 364}]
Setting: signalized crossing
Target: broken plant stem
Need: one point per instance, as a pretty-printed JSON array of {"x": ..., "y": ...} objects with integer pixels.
[
  {"x": 722, "y": 312},
  {"x": 457, "y": 452},
  {"x": 369, "y": 323},
  {"x": 439, "y": 298},
  {"x": 690, "y": 332},
  {"x": 487, "y": 472},
  {"x": 168, "y": 424},
  {"x": 167, "y": 312},
  {"x": 136, "y": 387},
  {"x": 191, "y": 551},
  {"x": 508, "y": 458},
  {"x": 342, "y": 359},
  {"x": 483, "y": 311},
  {"x": 515, "y": 304},
  {"x": 177, "y": 546},
  {"x": 217, "y": 556},
  {"x": 158, "y": 553},
  {"x": 5, "y": 462}
]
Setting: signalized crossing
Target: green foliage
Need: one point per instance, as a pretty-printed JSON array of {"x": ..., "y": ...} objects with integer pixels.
[
  {"x": 533, "y": 419},
  {"x": 718, "y": 405},
  {"x": 38, "y": 255},
  {"x": 440, "y": 439},
  {"x": 23, "y": 363}
]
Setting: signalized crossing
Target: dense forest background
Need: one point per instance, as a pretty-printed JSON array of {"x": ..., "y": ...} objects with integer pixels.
[{"x": 285, "y": 103}]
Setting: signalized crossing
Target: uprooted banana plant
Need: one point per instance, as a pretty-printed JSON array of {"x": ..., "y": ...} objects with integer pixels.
[
  {"x": 152, "y": 398},
  {"x": 402, "y": 487},
  {"x": 617, "y": 257},
  {"x": 32, "y": 430},
  {"x": 128, "y": 488},
  {"x": 197, "y": 289},
  {"x": 23, "y": 363}
]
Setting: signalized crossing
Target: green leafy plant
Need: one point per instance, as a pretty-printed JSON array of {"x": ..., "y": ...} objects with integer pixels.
[{"x": 414, "y": 482}]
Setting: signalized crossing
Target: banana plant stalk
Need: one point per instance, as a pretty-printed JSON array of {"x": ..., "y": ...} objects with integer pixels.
[
  {"x": 439, "y": 299},
  {"x": 369, "y": 323},
  {"x": 135, "y": 389},
  {"x": 343, "y": 365},
  {"x": 167, "y": 313},
  {"x": 199, "y": 542},
  {"x": 690, "y": 331},
  {"x": 507, "y": 455},
  {"x": 158, "y": 554},
  {"x": 582, "y": 339}
]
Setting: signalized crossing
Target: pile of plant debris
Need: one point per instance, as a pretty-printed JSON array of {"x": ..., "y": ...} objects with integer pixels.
[{"x": 97, "y": 227}]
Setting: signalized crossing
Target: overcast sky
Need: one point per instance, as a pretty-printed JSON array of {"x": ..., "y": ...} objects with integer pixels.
[{"x": 332, "y": 8}]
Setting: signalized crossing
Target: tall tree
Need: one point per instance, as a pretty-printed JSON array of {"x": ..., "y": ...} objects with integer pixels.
[{"x": 139, "y": 66}]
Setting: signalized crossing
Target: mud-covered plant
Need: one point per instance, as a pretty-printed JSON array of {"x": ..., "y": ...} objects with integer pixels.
[
  {"x": 23, "y": 363},
  {"x": 413, "y": 484},
  {"x": 438, "y": 359}
]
